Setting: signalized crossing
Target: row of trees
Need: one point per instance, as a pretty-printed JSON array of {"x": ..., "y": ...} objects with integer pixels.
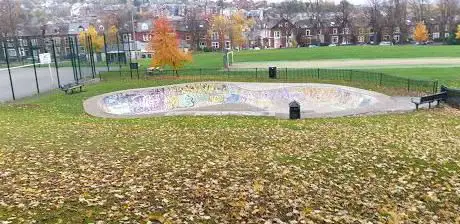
[
  {"x": 164, "y": 43},
  {"x": 377, "y": 14},
  {"x": 232, "y": 28}
]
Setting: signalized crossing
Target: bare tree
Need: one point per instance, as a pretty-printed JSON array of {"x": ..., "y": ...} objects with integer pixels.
[
  {"x": 421, "y": 9},
  {"x": 10, "y": 17},
  {"x": 195, "y": 25},
  {"x": 394, "y": 16},
  {"x": 446, "y": 10},
  {"x": 374, "y": 13},
  {"x": 288, "y": 9},
  {"x": 317, "y": 12},
  {"x": 343, "y": 18}
]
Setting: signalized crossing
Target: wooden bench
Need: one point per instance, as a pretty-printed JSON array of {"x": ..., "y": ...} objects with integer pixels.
[
  {"x": 71, "y": 86},
  {"x": 442, "y": 96}
]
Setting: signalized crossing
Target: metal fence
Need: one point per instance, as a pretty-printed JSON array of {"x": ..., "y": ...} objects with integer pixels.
[
  {"x": 74, "y": 58},
  {"x": 30, "y": 65},
  {"x": 345, "y": 76}
]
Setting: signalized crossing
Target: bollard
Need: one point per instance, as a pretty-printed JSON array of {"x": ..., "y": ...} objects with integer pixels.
[{"x": 294, "y": 110}]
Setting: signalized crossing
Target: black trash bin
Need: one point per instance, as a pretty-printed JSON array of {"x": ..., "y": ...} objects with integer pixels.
[
  {"x": 294, "y": 110},
  {"x": 272, "y": 72}
]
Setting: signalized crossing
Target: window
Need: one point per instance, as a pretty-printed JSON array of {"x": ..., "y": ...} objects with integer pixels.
[
  {"x": 446, "y": 35},
  {"x": 146, "y": 37},
  {"x": 215, "y": 36},
  {"x": 436, "y": 27},
  {"x": 215, "y": 45},
  {"x": 227, "y": 44},
  {"x": 187, "y": 37},
  {"x": 396, "y": 38},
  {"x": 320, "y": 32},
  {"x": 361, "y": 39},
  {"x": 277, "y": 34},
  {"x": 202, "y": 44},
  {"x": 347, "y": 31},
  {"x": 386, "y": 37},
  {"x": 335, "y": 39},
  {"x": 446, "y": 27},
  {"x": 436, "y": 35},
  {"x": 12, "y": 52},
  {"x": 334, "y": 31},
  {"x": 307, "y": 32},
  {"x": 144, "y": 26},
  {"x": 397, "y": 30}
]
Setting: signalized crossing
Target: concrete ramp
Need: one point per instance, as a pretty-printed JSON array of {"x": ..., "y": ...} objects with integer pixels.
[{"x": 233, "y": 98}]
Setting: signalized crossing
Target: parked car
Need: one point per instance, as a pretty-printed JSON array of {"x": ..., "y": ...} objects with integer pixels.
[
  {"x": 386, "y": 43},
  {"x": 332, "y": 45},
  {"x": 312, "y": 45}
]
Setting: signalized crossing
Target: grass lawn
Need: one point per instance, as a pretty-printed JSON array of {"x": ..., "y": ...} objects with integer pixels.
[
  {"x": 446, "y": 75},
  {"x": 59, "y": 165},
  {"x": 215, "y": 60}
]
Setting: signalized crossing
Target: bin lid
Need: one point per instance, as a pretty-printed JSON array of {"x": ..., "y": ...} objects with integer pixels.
[{"x": 294, "y": 104}]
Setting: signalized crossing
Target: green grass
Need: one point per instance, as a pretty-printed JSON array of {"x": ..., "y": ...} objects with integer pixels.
[
  {"x": 448, "y": 75},
  {"x": 59, "y": 165},
  {"x": 349, "y": 52},
  {"x": 215, "y": 60}
]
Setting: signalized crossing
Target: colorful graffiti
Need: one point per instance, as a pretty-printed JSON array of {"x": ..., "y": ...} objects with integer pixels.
[{"x": 170, "y": 98}]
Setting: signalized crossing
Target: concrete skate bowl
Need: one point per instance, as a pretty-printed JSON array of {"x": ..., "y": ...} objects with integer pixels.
[{"x": 232, "y": 98}]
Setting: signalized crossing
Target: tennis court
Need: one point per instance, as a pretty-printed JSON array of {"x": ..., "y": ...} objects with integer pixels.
[{"x": 25, "y": 84}]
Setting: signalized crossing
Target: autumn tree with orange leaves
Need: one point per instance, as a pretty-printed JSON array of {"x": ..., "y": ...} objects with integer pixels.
[
  {"x": 457, "y": 35},
  {"x": 420, "y": 33},
  {"x": 165, "y": 46}
]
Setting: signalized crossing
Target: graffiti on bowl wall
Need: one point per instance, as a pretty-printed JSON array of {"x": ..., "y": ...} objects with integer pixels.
[{"x": 205, "y": 94}]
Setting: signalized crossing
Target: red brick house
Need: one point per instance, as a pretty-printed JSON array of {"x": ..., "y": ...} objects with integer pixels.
[{"x": 282, "y": 34}]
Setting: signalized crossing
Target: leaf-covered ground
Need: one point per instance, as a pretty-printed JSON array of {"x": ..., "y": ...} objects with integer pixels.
[{"x": 58, "y": 165}]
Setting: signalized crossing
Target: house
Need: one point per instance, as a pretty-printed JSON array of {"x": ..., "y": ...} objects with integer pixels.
[
  {"x": 324, "y": 33},
  {"x": 282, "y": 34}
]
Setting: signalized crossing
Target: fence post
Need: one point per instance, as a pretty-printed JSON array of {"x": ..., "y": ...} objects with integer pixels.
[
  {"x": 435, "y": 86},
  {"x": 33, "y": 62},
  {"x": 351, "y": 75},
  {"x": 106, "y": 56},
  {"x": 129, "y": 53},
  {"x": 9, "y": 70},
  {"x": 256, "y": 74},
  {"x": 78, "y": 57},
  {"x": 317, "y": 72},
  {"x": 286, "y": 73},
  {"x": 118, "y": 52},
  {"x": 56, "y": 63},
  {"x": 72, "y": 59},
  {"x": 408, "y": 85},
  {"x": 91, "y": 53}
]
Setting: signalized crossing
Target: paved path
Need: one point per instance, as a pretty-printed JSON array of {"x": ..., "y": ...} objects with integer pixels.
[
  {"x": 24, "y": 80},
  {"x": 356, "y": 63}
]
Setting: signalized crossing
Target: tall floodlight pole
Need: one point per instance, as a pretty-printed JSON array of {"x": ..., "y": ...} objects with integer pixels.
[{"x": 134, "y": 32}]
